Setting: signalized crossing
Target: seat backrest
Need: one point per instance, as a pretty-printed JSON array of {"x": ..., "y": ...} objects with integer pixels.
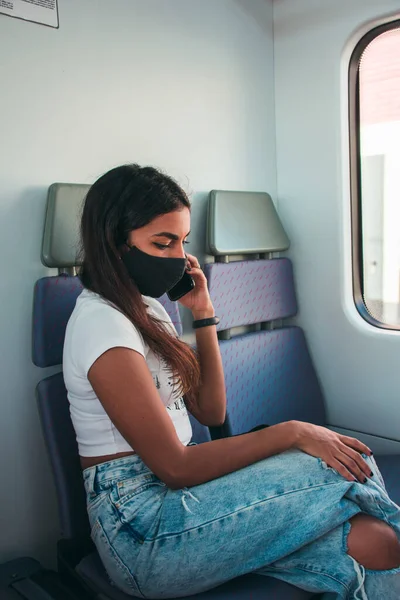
[
  {"x": 270, "y": 379},
  {"x": 54, "y": 301},
  {"x": 249, "y": 292},
  {"x": 269, "y": 374},
  {"x": 62, "y": 448}
]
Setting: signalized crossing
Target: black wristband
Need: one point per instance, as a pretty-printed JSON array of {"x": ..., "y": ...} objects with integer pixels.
[{"x": 205, "y": 322}]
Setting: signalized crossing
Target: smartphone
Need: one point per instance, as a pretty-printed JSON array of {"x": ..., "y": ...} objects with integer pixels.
[{"x": 183, "y": 287}]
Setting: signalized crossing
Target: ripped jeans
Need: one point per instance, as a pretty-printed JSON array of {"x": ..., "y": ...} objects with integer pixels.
[{"x": 286, "y": 516}]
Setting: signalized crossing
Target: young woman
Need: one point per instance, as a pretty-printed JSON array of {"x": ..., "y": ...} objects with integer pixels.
[{"x": 171, "y": 518}]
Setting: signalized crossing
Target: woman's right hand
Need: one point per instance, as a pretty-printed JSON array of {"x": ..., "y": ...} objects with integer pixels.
[{"x": 340, "y": 452}]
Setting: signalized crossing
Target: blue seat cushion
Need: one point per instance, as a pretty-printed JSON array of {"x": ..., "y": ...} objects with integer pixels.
[
  {"x": 247, "y": 587},
  {"x": 201, "y": 433},
  {"x": 390, "y": 468},
  {"x": 53, "y": 302},
  {"x": 270, "y": 378},
  {"x": 62, "y": 448}
]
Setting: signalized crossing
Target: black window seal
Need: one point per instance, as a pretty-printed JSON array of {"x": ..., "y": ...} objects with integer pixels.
[{"x": 355, "y": 173}]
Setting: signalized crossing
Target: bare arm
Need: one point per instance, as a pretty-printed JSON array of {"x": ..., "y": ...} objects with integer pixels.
[
  {"x": 210, "y": 407},
  {"x": 123, "y": 384},
  {"x": 211, "y": 401},
  {"x": 213, "y": 459}
]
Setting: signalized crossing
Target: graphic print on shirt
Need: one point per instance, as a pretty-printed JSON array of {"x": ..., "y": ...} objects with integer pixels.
[
  {"x": 157, "y": 381},
  {"x": 177, "y": 403},
  {"x": 164, "y": 381}
]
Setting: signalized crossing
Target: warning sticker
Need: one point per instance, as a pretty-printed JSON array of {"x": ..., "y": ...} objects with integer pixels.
[{"x": 44, "y": 12}]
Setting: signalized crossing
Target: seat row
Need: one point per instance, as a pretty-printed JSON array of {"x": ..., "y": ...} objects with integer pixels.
[{"x": 269, "y": 374}]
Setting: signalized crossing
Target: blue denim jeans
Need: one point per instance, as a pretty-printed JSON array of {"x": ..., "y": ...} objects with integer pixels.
[{"x": 286, "y": 516}]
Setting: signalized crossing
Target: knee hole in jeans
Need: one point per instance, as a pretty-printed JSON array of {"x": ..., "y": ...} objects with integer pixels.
[{"x": 373, "y": 543}]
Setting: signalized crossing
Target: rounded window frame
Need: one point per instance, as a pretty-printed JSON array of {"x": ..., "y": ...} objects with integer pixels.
[{"x": 355, "y": 173}]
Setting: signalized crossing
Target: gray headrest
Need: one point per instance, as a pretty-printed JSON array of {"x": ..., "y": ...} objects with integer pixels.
[
  {"x": 61, "y": 229},
  {"x": 244, "y": 223}
]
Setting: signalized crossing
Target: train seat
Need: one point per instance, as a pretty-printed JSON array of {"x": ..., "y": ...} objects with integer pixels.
[
  {"x": 54, "y": 300},
  {"x": 268, "y": 369},
  {"x": 269, "y": 374}
]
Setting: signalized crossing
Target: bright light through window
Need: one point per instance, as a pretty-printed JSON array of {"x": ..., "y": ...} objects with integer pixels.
[{"x": 378, "y": 84}]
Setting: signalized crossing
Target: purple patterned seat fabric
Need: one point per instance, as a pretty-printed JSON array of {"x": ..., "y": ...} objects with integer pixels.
[
  {"x": 247, "y": 292},
  {"x": 270, "y": 378}
]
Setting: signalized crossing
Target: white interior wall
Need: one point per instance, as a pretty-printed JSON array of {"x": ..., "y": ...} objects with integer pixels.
[
  {"x": 358, "y": 364},
  {"x": 186, "y": 86}
]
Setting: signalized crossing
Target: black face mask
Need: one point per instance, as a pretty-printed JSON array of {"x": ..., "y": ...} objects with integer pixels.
[{"x": 153, "y": 275}]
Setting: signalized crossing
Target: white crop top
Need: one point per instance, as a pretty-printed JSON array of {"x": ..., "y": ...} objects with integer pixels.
[{"x": 94, "y": 327}]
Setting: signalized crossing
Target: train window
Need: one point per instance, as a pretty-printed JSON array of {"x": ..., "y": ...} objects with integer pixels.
[{"x": 374, "y": 88}]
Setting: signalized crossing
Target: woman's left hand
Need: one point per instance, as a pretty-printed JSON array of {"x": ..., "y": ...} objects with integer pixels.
[{"x": 198, "y": 300}]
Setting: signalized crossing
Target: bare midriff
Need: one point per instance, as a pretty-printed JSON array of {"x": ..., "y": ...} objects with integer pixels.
[{"x": 91, "y": 461}]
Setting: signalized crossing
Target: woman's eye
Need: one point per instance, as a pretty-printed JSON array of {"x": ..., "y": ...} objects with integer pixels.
[
  {"x": 161, "y": 246},
  {"x": 165, "y": 246}
]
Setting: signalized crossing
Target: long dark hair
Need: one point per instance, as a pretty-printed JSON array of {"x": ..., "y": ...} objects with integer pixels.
[{"x": 123, "y": 199}]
